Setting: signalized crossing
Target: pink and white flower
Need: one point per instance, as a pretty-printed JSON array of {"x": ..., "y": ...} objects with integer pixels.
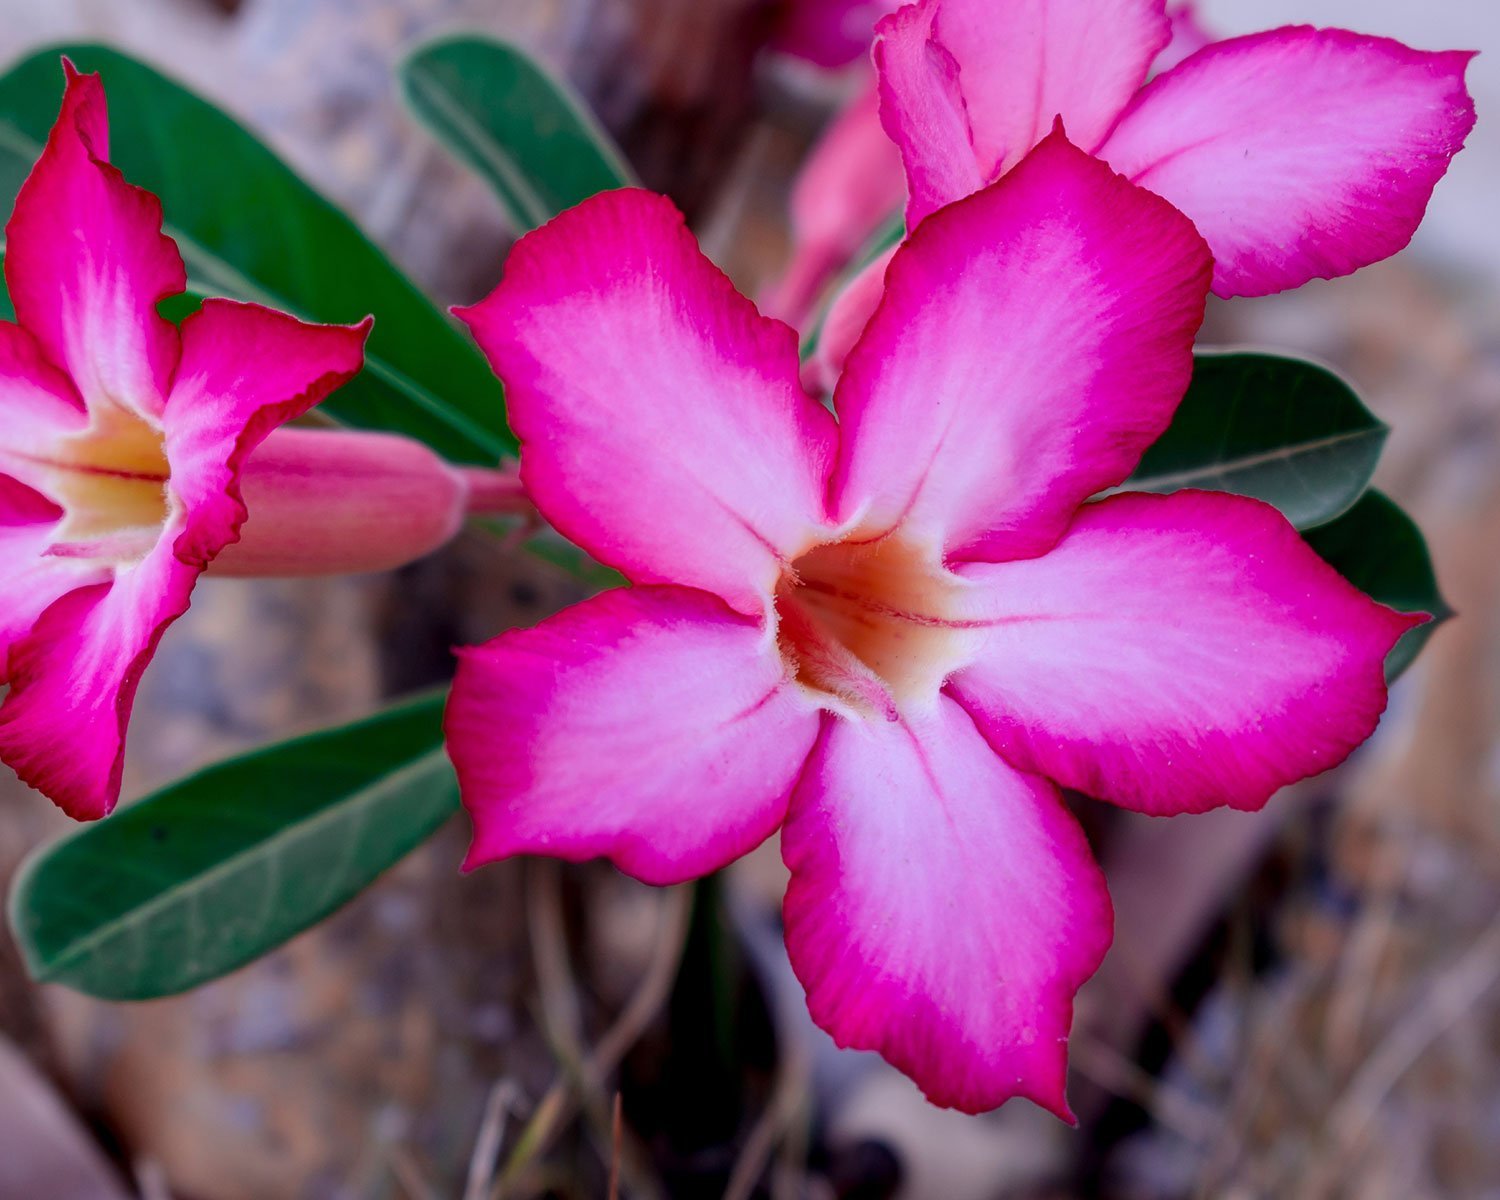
[
  {"x": 1299, "y": 153},
  {"x": 126, "y": 444},
  {"x": 853, "y": 180},
  {"x": 895, "y": 632}
]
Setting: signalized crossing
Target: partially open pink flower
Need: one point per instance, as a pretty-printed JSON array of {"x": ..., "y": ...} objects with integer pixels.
[
  {"x": 125, "y": 443},
  {"x": 897, "y": 631}
]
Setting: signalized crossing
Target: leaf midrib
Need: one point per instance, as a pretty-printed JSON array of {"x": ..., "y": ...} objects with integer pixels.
[
  {"x": 127, "y": 922},
  {"x": 1252, "y": 461},
  {"x": 534, "y": 209}
]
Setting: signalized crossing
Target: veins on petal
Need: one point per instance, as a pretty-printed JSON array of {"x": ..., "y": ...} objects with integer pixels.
[
  {"x": 877, "y": 625},
  {"x": 111, "y": 481}
]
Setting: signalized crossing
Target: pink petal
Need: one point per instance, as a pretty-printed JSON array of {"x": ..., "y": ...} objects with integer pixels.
[
  {"x": 87, "y": 262},
  {"x": 923, "y": 110},
  {"x": 38, "y": 403},
  {"x": 245, "y": 370},
  {"x": 1299, "y": 153},
  {"x": 663, "y": 426},
  {"x": 1018, "y": 68},
  {"x": 827, "y": 33},
  {"x": 653, "y": 726},
  {"x": 1033, "y": 340},
  {"x": 1189, "y": 35},
  {"x": 851, "y": 183},
  {"x": 1177, "y": 653},
  {"x": 943, "y": 908},
  {"x": 73, "y": 680},
  {"x": 38, "y": 406},
  {"x": 29, "y": 581}
]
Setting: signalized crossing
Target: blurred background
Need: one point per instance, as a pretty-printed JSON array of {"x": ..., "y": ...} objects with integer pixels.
[{"x": 1300, "y": 1003}]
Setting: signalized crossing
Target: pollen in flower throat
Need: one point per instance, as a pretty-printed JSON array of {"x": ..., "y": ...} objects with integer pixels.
[
  {"x": 111, "y": 482},
  {"x": 876, "y": 625}
]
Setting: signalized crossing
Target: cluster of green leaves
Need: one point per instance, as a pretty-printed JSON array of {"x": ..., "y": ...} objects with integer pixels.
[{"x": 223, "y": 866}]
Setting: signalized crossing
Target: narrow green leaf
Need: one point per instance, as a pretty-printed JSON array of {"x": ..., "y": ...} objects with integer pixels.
[
  {"x": 1380, "y": 550},
  {"x": 225, "y": 865},
  {"x": 250, "y": 228},
  {"x": 526, "y": 132},
  {"x": 1283, "y": 430}
]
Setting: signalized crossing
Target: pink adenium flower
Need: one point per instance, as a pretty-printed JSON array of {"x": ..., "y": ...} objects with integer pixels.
[
  {"x": 1299, "y": 153},
  {"x": 895, "y": 633},
  {"x": 126, "y": 442}
]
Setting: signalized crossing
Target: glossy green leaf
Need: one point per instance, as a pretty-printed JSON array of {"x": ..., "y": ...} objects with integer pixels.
[
  {"x": 225, "y": 865},
  {"x": 1283, "y": 430},
  {"x": 250, "y": 228},
  {"x": 1380, "y": 550},
  {"x": 526, "y": 132}
]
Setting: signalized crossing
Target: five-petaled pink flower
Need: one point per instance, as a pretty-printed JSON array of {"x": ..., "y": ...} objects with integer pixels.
[
  {"x": 853, "y": 179},
  {"x": 895, "y": 633},
  {"x": 1299, "y": 153},
  {"x": 125, "y": 443}
]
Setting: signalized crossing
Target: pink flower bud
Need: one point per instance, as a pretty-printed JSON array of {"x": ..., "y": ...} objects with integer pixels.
[{"x": 333, "y": 502}]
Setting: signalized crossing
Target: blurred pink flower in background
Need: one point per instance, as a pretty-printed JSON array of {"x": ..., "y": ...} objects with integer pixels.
[
  {"x": 895, "y": 633},
  {"x": 851, "y": 184},
  {"x": 828, "y": 33},
  {"x": 1299, "y": 153},
  {"x": 853, "y": 181}
]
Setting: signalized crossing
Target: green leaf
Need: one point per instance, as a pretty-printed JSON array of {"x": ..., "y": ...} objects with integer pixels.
[
  {"x": 525, "y": 131},
  {"x": 225, "y": 865},
  {"x": 1283, "y": 430},
  {"x": 250, "y": 228},
  {"x": 1380, "y": 550}
]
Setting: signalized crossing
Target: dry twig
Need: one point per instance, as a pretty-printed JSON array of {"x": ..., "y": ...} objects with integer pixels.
[
  {"x": 645, "y": 1003},
  {"x": 617, "y": 1132}
]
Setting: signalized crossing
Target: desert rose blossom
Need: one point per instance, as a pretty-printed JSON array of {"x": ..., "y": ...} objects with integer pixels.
[
  {"x": 895, "y": 632},
  {"x": 1299, "y": 153},
  {"x": 127, "y": 443},
  {"x": 853, "y": 181}
]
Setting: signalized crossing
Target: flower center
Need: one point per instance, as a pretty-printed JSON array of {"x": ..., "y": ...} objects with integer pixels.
[
  {"x": 111, "y": 481},
  {"x": 876, "y": 625}
]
